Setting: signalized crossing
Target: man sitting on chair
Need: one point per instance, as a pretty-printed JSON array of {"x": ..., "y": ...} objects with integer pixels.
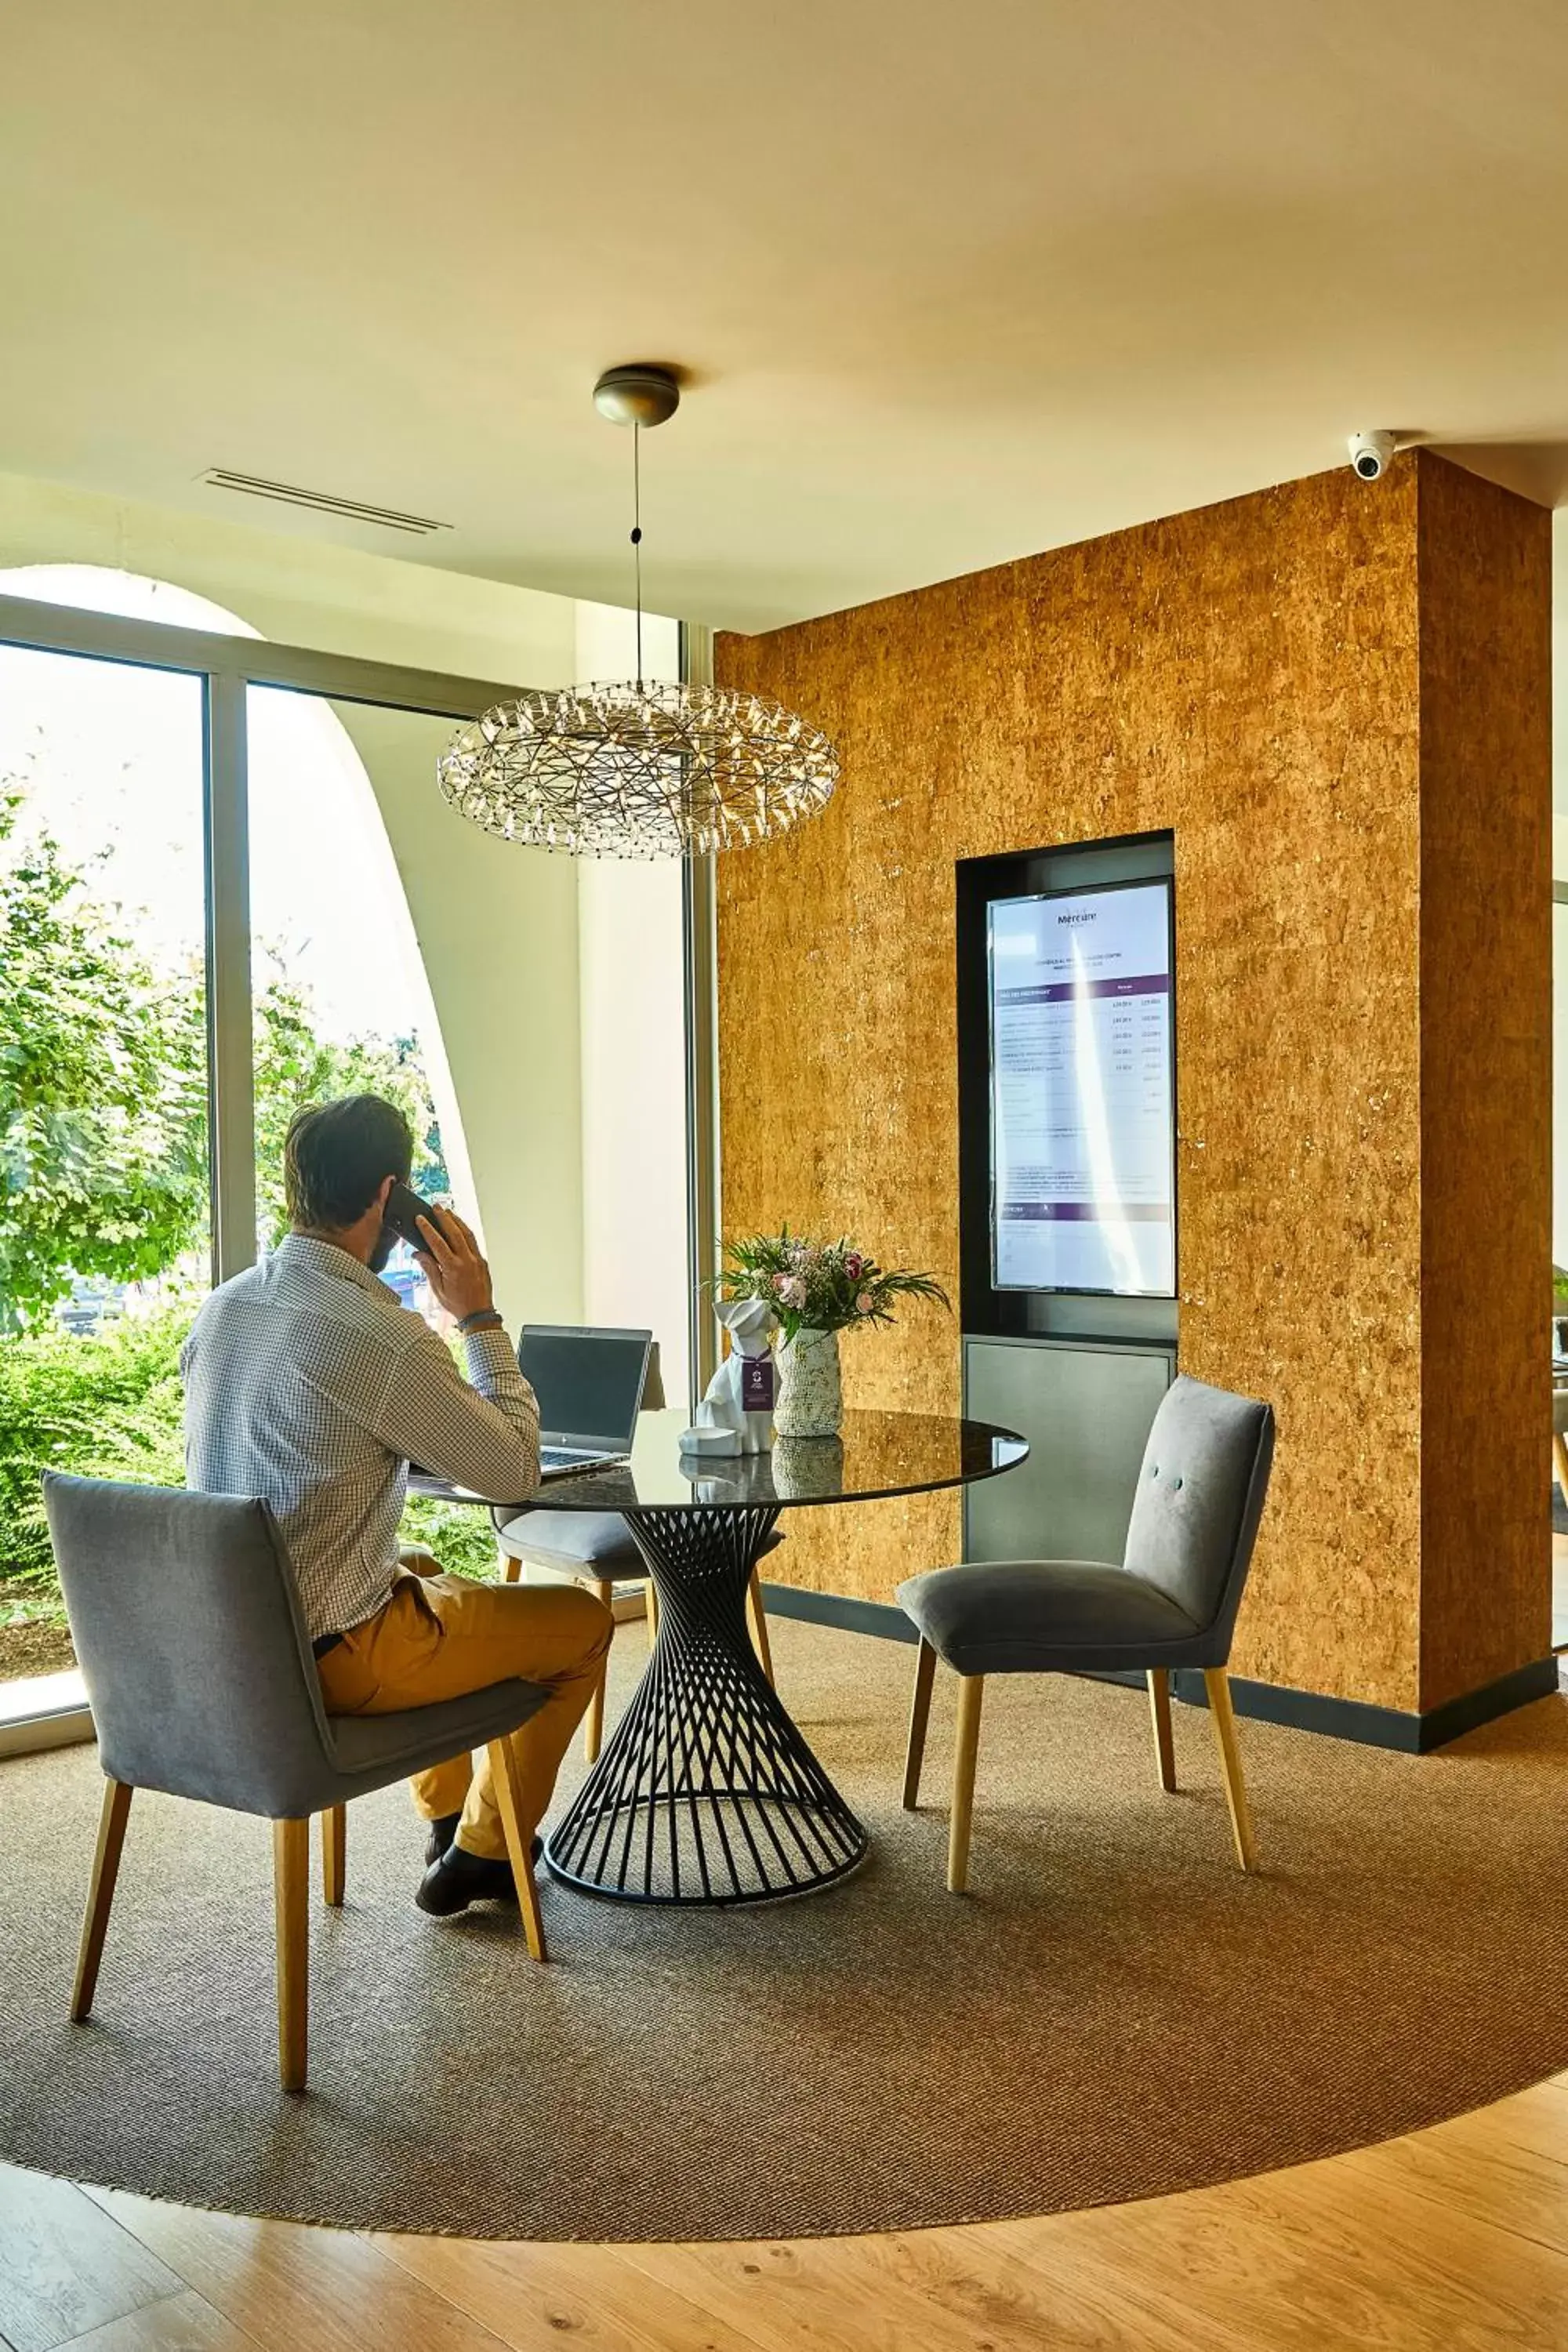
[{"x": 309, "y": 1385}]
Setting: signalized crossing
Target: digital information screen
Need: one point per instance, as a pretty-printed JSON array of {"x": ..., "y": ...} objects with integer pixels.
[{"x": 1082, "y": 1092}]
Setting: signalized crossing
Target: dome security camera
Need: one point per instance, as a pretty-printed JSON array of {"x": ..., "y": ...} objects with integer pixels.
[{"x": 1372, "y": 454}]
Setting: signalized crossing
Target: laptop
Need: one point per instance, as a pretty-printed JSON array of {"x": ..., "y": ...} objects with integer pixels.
[{"x": 589, "y": 1383}]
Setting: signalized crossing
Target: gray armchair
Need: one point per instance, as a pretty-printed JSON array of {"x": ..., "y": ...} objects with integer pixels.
[
  {"x": 202, "y": 1682},
  {"x": 1173, "y": 1601}
]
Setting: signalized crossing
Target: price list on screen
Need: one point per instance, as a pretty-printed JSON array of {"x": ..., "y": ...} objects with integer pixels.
[{"x": 1082, "y": 1097}]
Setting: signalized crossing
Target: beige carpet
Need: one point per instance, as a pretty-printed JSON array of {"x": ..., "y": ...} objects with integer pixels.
[{"x": 1112, "y": 2011}]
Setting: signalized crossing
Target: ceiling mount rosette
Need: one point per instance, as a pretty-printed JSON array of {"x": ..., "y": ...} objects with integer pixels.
[
  {"x": 640, "y": 768},
  {"x": 650, "y": 770}
]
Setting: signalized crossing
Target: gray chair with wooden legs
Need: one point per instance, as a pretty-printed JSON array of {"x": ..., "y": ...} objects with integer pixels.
[
  {"x": 202, "y": 1682},
  {"x": 596, "y": 1547},
  {"x": 1172, "y": 1602}
]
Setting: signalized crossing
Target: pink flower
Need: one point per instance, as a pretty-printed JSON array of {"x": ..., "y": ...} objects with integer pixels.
[
  {"x": 864, "y": 1303},
  {"x": 792, "y": 1290},
  {"x": 781, "y": 1282},
  {"x": 854, "y": 1266}
]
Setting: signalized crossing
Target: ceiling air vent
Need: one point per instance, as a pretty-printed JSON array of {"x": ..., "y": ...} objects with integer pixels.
[{"x": 290, "y": 494}]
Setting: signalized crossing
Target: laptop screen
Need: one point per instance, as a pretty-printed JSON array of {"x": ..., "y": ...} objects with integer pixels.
[{"x": 589, "y": 1383}]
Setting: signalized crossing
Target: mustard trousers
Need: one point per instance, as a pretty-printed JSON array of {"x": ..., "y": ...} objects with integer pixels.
[{"x": 440, "y": 1637}]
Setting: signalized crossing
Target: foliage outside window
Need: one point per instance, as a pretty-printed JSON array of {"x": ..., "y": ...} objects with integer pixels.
[{"x": 103, "y": 1197}]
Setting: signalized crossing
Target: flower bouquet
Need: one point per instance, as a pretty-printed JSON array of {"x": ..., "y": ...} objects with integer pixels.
[{"x": 817, "y": 1289}]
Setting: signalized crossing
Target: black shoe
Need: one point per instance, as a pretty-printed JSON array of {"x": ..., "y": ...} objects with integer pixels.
[
  {"x": 442, "y": 1833},
  {"x": 459, "y": 1878}
]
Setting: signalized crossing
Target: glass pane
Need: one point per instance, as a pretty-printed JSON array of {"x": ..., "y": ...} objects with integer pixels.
[
  {"x": 104, "y": 1211},
  {"x": 341, "y": 1001}
]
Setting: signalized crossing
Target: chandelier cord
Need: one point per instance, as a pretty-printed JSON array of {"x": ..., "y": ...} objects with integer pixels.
[{"x": 636, "y": 531}]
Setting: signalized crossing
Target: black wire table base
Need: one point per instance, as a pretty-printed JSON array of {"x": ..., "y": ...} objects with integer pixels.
[{"x": 706, "y": 1792}]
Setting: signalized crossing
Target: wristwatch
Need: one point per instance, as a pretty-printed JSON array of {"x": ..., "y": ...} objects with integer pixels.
[{"x": 483, "y": 1319}]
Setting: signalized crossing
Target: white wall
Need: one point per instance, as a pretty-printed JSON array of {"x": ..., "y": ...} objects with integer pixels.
[
  {"x": 1559, "y": 1044},
  {"x": 496, "y": 930},
  {"x": 1559, "y": 1085},
  {"x": 630, "y": 980}
]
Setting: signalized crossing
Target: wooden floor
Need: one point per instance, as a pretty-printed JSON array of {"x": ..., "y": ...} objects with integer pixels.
[{"x": 1454, "y": 2240}]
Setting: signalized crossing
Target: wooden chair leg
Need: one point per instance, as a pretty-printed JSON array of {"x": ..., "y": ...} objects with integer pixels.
[
  {"x": 504, "y": 1780},
  {"x": 1160, "y": 1710},
  {"x": 650, "y": 1611},
  {"x": 1216, "y": 1682},
  {"x": 1559, "y": 1457},
  {"x": 291, "y": 1911},
  {"x": 919, "y": 1716},
  {"x": 759, "y": 1622},
  {"x": 594, "y": 1721},
  {"x": 509, "y": 1565},
  {"x": 971, "y": 1691},
  {"x": 111, "y": 1824},
  {"x": 334, "y": 1855}
]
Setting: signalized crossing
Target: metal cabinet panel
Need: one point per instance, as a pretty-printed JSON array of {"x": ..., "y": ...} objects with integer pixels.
[{"x": 1086, "y": 1412}]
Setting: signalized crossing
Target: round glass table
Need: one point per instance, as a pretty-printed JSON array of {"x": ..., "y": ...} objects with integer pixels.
[{"x": 707, "y": 1792}]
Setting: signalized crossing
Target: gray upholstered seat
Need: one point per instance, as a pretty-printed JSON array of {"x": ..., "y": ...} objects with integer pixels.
[
  {"x": 202, "y": 1683},
  {"x": 1041, "y": 1617},
  {"x": 584, "y": 1543},
  {"x": 1172, "y": 1602}
]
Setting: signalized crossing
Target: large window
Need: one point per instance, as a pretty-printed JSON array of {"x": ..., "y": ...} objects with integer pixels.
[
  {"x": 105, "y": 1240},
  {"x": 201, "y": 926}
]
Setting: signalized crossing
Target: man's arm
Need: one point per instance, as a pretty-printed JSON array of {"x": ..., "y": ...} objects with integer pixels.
[{"x": 485, "y": 1436}]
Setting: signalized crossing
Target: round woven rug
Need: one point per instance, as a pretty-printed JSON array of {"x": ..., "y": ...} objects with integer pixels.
[{"x": 1113, "y": 2012}]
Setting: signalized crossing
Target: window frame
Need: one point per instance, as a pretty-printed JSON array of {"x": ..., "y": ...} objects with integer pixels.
[{"x": 228, "y": 665}]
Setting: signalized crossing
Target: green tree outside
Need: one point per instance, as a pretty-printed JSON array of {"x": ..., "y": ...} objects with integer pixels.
[
  {"x": 103, "y": 1176},
  {"x": 103, "y": 1089},
  {"x": 294, "y": 1067}
]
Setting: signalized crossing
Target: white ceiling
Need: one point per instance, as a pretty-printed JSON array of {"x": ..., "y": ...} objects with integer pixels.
[{"x": 953, "y": 282}]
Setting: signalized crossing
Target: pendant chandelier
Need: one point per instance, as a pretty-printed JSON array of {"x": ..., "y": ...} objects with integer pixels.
[{"x": 638, "y": 768}]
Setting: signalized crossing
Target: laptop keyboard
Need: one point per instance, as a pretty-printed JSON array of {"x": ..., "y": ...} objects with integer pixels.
[{"x": 566, "y": 1457}]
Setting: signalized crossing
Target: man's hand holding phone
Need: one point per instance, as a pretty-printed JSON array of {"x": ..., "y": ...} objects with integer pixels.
[{"x": 453, "y": 1264}]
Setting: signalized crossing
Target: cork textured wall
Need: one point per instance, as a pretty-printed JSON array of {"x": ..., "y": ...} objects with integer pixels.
[
  {"x": 1250, "y": 676},
  {"x": 1486, "y": 1077}
]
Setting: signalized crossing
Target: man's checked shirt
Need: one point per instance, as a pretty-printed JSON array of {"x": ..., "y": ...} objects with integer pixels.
[{"x": 309, "y": 1385}]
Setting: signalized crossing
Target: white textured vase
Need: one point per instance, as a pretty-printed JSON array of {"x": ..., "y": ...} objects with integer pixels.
[{"x": 811, "y": 1397}]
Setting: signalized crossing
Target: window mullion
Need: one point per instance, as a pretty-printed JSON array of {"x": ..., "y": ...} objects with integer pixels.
[
  {"x": 700, "y": 958},
  {"x": 231, "y": 1124}
]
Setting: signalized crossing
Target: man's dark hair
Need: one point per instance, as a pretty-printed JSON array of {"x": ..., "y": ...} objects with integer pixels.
[{"x": 335, "y": 1156}]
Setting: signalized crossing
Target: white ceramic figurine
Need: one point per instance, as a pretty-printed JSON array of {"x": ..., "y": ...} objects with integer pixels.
[{"x": 751, "y": 1323}]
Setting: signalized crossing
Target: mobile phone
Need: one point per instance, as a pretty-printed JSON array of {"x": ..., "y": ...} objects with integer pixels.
[{"x": 404, "y": 1208}]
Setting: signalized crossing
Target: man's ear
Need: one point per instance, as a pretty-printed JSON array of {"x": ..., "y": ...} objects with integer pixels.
[{"x": 385, "y": 1193}]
